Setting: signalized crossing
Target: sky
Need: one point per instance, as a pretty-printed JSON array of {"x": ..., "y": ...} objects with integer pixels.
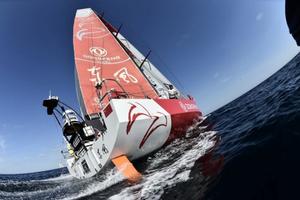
[{"x": 218, "y": 50}]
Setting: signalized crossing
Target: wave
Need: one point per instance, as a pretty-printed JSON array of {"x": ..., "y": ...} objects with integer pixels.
[
  {"x": 111, "y": 178},
  {"x": 62, "y": 177},
  {"x": 155, "y": 181},
  {"x": 165, "y": 168}
]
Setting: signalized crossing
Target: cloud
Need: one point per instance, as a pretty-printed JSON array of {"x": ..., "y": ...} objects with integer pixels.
[
  {"x": 225, "y": 79},
  {"x": 42, "y": 155},
  {"x": 2, "y": 147},
  {"x": 216, "y": 75},
  {"x": 259, "y": 16},
  {"x": 221, "y": 78},
  {"x": 2, "y": 143}
]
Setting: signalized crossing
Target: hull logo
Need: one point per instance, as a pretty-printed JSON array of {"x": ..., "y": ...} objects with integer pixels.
[
  {"x": 132, "y": 117},
  {"x": 187, "y": 106},
  {"x": 182, "y": 106}
]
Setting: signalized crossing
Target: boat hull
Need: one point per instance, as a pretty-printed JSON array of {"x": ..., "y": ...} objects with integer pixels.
[
  {"x": 184, "y": 113},
  {"x": 135, "y": 128}
]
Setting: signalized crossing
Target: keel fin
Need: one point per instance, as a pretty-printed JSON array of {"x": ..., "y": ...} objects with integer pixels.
[{"x": 126, "y": 167}]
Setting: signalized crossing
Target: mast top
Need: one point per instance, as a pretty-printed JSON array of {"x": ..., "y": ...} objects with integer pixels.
[{"x": 85, "y": 12}]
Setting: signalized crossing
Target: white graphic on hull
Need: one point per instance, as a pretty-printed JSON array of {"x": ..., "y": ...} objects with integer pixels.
[
  {"x": 182, "y": 106},
  {"x": 125, "y": 76},
  {"x": 187, "y": 106}
]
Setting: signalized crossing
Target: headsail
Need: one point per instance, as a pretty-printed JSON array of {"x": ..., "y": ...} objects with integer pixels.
[{"x": 100, "y": 58}]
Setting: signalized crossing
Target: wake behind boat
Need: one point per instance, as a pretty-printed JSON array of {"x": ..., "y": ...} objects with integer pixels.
[{"x": 128, "y": 107}]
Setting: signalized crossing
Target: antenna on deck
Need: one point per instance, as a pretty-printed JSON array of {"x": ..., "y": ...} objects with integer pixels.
[{"x": 148, "y": 54}]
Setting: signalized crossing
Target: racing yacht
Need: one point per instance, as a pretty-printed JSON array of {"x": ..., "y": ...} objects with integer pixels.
[{"x": 128, "y": 108}]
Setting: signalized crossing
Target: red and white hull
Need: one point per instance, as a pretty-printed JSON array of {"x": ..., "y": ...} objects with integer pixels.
[
  {"x": 136, "y": 107},
  {"x": 135, "y": 128}
]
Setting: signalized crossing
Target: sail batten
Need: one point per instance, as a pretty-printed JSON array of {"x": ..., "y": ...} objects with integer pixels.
[{"x": 100, "y": 58}]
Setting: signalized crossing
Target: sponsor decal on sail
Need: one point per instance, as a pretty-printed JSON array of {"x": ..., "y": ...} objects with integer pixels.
[
  {"x": 125, "y": 76},
  {"x": 100, "y": 55},
  {"x": 95, "y": 74},
  {"x": 98, "y": 51},
  {"x": 96, "y": 32}
]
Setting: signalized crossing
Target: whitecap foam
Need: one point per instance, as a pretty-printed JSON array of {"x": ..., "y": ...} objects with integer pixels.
[
  {"x": 112, "y": 177},
  {"x": 155, "y": 181},
  {"x": 59, "y": 178}
]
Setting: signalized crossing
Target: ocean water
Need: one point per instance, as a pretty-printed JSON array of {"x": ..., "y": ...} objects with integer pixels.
[{"x": 248, "y": 149}]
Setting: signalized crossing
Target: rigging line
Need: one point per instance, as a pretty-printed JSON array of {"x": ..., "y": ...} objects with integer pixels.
[
  {"x": 131, "y": 56},
  {"x": 72, "y": 109},
  {"x": 101, "y": 66},
  {"x": 101, "y": 63},
  {"x": 94, "y": 59},
  {"x": 143, "y": 43},
  {"x": 58, "y": 111},
  {"x": 90, "y": 44},
  {"x": 57, "y": 119},
  {"x": 98, "y": 15},
  {"x": 68, "y": 118},
  {"x": 171, "y": 72}
]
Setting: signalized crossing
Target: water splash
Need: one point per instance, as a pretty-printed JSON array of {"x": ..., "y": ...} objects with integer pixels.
[{"x": 157, "y": 178}]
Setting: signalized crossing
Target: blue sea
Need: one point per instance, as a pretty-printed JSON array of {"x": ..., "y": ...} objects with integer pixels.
[{"x": 248, "y": 149}]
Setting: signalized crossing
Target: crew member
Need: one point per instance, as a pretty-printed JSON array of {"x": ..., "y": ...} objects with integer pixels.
[
  {"x": 173, "y": 94},
  {"x": 71, "y": 150}
]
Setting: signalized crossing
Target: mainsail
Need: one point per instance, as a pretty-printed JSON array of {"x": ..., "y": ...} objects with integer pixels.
[{"x": 101, "y": 60}]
